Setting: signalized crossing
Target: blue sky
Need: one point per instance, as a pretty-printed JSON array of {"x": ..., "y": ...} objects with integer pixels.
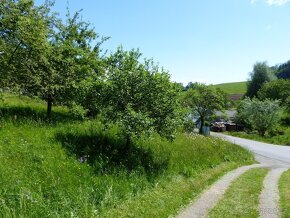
[{"x": 211, "y": 41}]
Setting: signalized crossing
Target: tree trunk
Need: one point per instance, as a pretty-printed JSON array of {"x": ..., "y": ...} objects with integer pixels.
[
  {"x": 201, "y": 124},
  {"x": 49, "y": 106}
]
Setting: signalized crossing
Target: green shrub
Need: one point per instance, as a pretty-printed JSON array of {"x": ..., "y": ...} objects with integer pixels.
[
  {"x": 188, "y": 125},
  {"x": 259, "y": 115},
  {"x": 78, "y": 111}
]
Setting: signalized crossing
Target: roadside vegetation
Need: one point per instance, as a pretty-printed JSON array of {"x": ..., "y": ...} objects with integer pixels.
[
  {"x": 285, "y": 194},
  {"x": 283, "y": 139},
  {"x": 88, "y": 133},
  {"x": 242, "y": 197},
  {"x": 265, "y": 110},
  {"x": 73, "y": 167}
]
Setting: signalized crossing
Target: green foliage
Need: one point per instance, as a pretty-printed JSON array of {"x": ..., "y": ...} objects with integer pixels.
[
  {"x": 204, "y": 100},
  {"x": 65, "y": 180},
  {"x": 188, "y": 124},
  {"x": 77, "y": 111},
  {"x": 42, "y": 56},
  {"x": 191, "y": 85},
  {"x": 260, "y": 75},
  {"x": 23, "y": 40},
  {"x": 139, "y": 96},
  {"x": 283, "y": 70},
  {"x": 276, "y": 90},
  {"x": 259, "y": 115}
]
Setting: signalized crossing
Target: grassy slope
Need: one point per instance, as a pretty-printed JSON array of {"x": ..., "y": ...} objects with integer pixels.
[
  {"x": 233, "y": 88},
  {"x": 278, "y": 139},
  {"x": 40, "y": 174},
  {"x": 285, "y": 194},
  {"x": 242, "y": 198}
]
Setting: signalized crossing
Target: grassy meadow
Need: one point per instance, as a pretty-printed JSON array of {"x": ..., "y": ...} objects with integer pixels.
[
  {"x": 83, "y": 168},
  {"x": 233, "y": 88}
]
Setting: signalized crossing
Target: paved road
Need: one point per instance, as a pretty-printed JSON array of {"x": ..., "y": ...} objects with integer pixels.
[{"x": 265, "y": 153}]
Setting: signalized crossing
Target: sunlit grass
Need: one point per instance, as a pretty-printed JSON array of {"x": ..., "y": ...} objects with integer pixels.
[
  {"x": 233, "y": 88},
  {"x": 285, "y": 194},
  {"x": 42, "y": 172},
  {"x": 242, "y": 197}
]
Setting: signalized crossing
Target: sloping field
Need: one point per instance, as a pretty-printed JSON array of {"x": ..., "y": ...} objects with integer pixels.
[{"x": 233, "y": 88}]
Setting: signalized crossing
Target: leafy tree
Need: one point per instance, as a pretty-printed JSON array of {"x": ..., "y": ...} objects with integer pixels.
[
  {"x": 44, "y": 56},
  {"x": 260, "y": 75},
  {"x": 259, "y": 115},
  {"x": 283, "y": 70},
  {"x": 204, "y": 100},
  {"x": 276, "y": 90},
  {"x": 191, "y": 85},
  {"x": 72, "y": 64},
  {"x": 23, "y": 40},
  {"x": 139, "y": 95}
]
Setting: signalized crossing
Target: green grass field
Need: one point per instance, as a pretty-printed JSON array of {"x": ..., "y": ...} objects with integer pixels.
[
  {"x": 74, "y": 168},
  {"x": 285, "y": 194},
  {"x": 233, "y": 88}
]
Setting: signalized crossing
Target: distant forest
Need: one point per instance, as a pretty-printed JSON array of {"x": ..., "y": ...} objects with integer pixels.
[{"x": 282, "y": 70}]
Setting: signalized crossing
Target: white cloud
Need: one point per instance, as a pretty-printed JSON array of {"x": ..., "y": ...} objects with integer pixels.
[{"x": 277, "y": 2}]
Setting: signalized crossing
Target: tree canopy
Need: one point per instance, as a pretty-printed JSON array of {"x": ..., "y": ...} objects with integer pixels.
[
  {"x": 139, "y": 95},
  {"x": 44, "y": 56},
  {"x": 276, "y": 90},
  {"x": 260, "y": 75},
  {"x": 259, "y": 115},
  {"x": 283, "y": 71},
  {"x": 204, "y": 100}
]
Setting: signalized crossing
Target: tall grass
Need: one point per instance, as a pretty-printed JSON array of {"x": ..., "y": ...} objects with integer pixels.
[
  {"x": 285, "y": 194},
  {"x": 84, "y": 168}
]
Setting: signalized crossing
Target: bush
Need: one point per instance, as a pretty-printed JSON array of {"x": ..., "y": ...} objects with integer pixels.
[
  {"x": 276, "y": 90},
  {"x": 278, "y": 130},
  {"x": 259, "y": 115},
  {"x": 78, "y": 111}
]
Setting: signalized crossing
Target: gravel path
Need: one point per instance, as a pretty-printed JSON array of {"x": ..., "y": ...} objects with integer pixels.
[
  {"x": 275, "y": 157},
  {"x": 210, "y": 197},
  {"x": 269, "y": 198}
]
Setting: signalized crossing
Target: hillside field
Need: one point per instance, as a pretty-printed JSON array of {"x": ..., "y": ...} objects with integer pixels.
[{"x": 237, "y": 89}]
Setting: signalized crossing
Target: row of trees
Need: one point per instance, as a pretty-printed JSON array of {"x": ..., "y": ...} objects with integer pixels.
[
  {"x": 62, "y": 62},
  {"x": 264, "y": 84},
  {"x": 266, "y": 98}
]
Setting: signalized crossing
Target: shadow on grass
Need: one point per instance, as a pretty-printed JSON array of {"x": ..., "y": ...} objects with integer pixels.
[
  {"x": 108, "y": 154},
  {"x": 26, "y": 113}
]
